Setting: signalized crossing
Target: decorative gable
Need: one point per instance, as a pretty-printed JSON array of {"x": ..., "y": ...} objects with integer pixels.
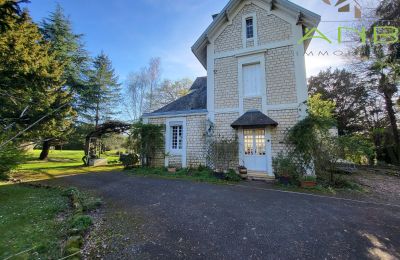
[{"x": 268, "y": 28}]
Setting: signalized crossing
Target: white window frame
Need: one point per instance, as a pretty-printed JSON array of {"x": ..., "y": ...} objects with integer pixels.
[
  {"x": 244, "y": 29},
  {"x": 170, "y": 122},
  {"x": 179, "y": 133},
  {"x": 251, "y": 59},
  {"x": 259, "y": 90}
]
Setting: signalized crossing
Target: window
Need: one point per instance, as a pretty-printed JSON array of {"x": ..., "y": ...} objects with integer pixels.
[
  {"x": 254, "y": 142},
  {"x": 252, "y": 80},
  {"x": 249, "y": 28},
  {"x": 176, "y": 138}
]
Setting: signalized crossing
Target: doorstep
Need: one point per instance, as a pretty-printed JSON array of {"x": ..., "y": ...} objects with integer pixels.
[{"x": 260, "y": 176}]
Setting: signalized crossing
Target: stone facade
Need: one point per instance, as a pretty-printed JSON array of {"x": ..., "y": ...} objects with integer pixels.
[
  {"x": 195, "y": 143},
  {"x": 281, "y": 93},
  {"x": 226, "y": 81},
  {"x": 287, "y": 118},
  {"x": 280, "y": 76},
  {"x": 270, "y": 28}
]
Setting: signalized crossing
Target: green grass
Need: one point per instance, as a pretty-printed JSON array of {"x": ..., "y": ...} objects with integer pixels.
[
  {"x": 60, "y": 163},
  {"x": 28, "y": 219},
  {"x": 200, "y": 175}
]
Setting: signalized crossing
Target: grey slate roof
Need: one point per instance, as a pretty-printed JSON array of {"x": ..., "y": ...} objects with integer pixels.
[
  {"x": 253, "y": 118},
  {"x": 194, "y": 101}
]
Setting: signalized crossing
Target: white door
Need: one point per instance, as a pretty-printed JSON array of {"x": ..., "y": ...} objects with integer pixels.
[{"x": 256, "y": 150}]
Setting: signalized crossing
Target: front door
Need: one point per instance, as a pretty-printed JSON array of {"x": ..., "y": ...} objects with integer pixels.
[{"x": 255, "y": 150}]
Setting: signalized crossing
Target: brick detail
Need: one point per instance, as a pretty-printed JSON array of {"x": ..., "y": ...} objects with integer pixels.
[
  {"x": 286, "y": 119},
  {"x": 226, "y": 83},
  {"x": 196, "y": 140},
  {"x": 270, "y": 28},
  {"x": 280, "y": 76},
  {"x": 195, "y": 143},
  {"x": 223, "y": 123},
  {"x": 252, "y": 103}
]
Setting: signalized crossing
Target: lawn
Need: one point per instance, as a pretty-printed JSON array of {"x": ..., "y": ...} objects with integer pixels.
[
  {"x": 30, "y": 220},
  {"x": 60, "y": 163}
]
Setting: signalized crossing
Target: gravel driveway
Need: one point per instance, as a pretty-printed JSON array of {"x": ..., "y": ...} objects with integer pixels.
[{"x": 149, "y": 218}]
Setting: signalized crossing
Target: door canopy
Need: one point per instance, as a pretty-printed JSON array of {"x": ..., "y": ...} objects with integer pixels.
[{"x": 253, "y": 119}]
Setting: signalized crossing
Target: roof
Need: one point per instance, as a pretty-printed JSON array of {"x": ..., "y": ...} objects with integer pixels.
[
  {"x": 195, "y": 101},
  {"x": 309, "y": 19},
  {"x": 253, "y": 118}
]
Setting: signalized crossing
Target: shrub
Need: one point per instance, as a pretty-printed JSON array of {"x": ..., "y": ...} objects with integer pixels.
[
  {"x": 231, "y": 175},
  {"x": 284, "y": 166},
  {"x": 10, "y": 158},
  {"x": 80, "y": 223},
  {"x": 129, "y": 160},
  {"x": 147, "y": 140},
  {"x": 357, "y": 149}
]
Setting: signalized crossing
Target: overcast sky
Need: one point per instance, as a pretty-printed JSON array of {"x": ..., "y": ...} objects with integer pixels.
[{"x": 131, "y": 32}]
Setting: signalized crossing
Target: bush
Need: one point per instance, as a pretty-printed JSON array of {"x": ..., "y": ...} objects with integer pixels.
[
  {"x": 284, "y": 166},
  {"x": 80, "y": 223},
  {"x": 10, "y": 158},
  {"x": 129, "y": 160},
  {"x": 231, "y": 175}
]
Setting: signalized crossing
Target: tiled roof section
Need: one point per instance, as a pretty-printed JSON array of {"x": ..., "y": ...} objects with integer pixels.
[
  {"x": 195, "y": 100},
  {"x": 253, "y": 118}
]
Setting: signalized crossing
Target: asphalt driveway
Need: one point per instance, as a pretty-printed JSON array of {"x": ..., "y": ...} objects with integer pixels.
[{"x": 149, "y": 218}]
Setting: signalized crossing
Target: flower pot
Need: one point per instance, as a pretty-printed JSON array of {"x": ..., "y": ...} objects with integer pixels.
[
  {"x": 308, "y": 184},
  {"x": 242, "y": 171},
  {"x": 172, "y": 169}
]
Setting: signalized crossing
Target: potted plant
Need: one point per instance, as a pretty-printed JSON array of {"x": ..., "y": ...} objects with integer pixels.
[
  {"x": 308, "y": 181},
  {"x": 171, "y": 169},
  {"x": 242, "y": 171}
]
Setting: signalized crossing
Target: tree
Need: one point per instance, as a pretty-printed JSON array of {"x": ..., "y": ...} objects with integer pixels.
[
  {"x": 31, "y": 91},
  {"x": 10, "y": 9},
  {"x": 103, "y": 93},
  {"x": 68, "y": 49},
  {"x": 378, "y": 64},
  {"x": 169, "y": 91},
  {"x": 140, "y": 89},
  {"x": 348, "y": 93}
]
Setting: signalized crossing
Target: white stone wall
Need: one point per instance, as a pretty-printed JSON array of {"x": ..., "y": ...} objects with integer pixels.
[
  {"x": 195, "y": 143},
  {"x": 270, "y": 28},
  {"x": 226, "y": 90},
  {"x": 286, "y": 119},
  {"x": 223, "y": 123},
  {"x": 196, "y": 140},
  {"x": 280, "y": 76},
  {"x": 252, "y": 103}
]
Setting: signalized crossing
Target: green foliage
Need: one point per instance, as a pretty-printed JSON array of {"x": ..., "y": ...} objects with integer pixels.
[
  {"x": 317, "y": 107},
  {"x": 79, "y": 224},
  {"x": 10, "y": 9},
  {"x": 129, "y": 160},
  {"x": 113, "y": 141},
  {"x": 10, "y": 158},
  {"x": 222, "y": 153},
  {"x": 102, "y": 94},
  {"x": 231, "y": 175},
  {"x": 68, "y": 49},
  {"x": 349, "y": 94},
  {"x": 146, "y": 140},
  {"x": 285, "y": 166},
  {"x": 357, "y": 149}
]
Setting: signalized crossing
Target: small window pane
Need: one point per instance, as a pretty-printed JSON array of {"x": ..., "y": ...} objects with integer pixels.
[
  {"x": 177, "y": 137},
  {"x": 249, "y": 28}
]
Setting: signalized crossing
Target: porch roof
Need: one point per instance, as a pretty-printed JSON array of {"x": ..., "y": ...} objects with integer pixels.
[{"x": 253, "y": 118}]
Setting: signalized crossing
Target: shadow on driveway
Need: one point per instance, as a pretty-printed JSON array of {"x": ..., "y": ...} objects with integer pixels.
[{"x": 151, "y": 218}]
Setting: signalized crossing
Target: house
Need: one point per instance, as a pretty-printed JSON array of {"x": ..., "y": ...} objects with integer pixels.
[{"x": 255, "y": 88}]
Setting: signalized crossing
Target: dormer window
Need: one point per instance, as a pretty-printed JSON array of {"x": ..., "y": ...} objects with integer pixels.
[{"x": 249, "y": 28}]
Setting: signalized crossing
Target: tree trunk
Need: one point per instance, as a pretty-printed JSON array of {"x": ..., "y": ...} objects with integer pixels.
[
  {"x": 45, "y": 150},
  {"x": 393, "y": 123}
]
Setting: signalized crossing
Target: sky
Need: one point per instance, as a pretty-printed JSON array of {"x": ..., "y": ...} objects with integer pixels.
[{"x": 132, "y": 32}]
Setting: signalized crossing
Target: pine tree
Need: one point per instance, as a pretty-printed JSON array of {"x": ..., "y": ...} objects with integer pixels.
[
  {"x": 31, "y": 84},
  {"x": 69, "y": 50},
  {"x": 101, "y": 97}
]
